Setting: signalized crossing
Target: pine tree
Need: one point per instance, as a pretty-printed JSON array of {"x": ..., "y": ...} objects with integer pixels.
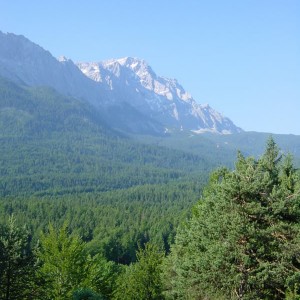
[
  {"x": 142, "y": 280},
  {"x": 63, "y": 263},
  {"x": 242, "y": 241},
  {"x": 86, "y": 294},
  {"x": 17, "y": 262},
  {"x": 102, "y": 275}
]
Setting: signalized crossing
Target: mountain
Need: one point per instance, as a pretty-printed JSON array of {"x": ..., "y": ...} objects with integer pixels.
[
  {"x": 126, "y": 92},
  {"x": 60, "y": 162},
  {"x": 62, "y": 159},
  {"x": 50, "y": 142},
  {"x": 27, "y": 63},
  {"x": 133, "y": 81}
]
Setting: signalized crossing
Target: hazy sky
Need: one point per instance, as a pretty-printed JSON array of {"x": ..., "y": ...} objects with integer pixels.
[{"x": 242, "y": 56}]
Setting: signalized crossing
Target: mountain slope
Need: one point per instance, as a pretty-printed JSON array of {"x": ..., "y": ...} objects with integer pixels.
[
  {"x": 25, "y": 62},
  {"x": 129, "y": 95},
  {"x": 133, "y": 81},
  {"x": 49, "y": 142},
  {"x": 223, "y": 149}
]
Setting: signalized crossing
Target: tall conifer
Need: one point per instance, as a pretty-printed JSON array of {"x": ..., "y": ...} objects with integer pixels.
[{"x": 242, "y": 241}]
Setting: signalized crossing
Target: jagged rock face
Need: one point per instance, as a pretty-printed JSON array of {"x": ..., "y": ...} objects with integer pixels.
[
  {"x": 133, "y": 81},
  {"x": 126, "y": 91}
]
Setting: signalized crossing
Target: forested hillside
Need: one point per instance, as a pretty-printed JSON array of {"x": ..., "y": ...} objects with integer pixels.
[
  {"x": 50, "y": 142},
  {"x": 101, "y": 209},
  {"x": 59, "y": 161},
  {"x": 115, "y": 183},
  {"x": 241, "y": 241},
  {"x": 221, "y": 149}
]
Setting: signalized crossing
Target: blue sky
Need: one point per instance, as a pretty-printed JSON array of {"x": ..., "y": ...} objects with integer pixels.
[{"x": 242, "y": 56}]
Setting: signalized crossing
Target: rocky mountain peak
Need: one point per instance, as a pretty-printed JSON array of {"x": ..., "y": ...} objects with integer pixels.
[
  {"x": 133, "y": 80},
  {"x": 121, "y": 89}
]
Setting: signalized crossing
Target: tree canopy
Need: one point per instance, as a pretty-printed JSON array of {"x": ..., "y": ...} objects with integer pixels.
[{"x": 242, "y": 241}]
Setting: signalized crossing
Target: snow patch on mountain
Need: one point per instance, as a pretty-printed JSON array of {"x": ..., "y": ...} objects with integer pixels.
[
  {"x": 126, "y": 91},
  {"x": 132, "y": 80}
]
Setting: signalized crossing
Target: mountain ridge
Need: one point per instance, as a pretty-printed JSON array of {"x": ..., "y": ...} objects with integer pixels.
[
  {"x": 28, "y": 63},
  {"x": 163, "y": 98},
  {"x": 126, "y": 92}
]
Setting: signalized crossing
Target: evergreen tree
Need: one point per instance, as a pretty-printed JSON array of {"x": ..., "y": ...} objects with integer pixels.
[
  {"x": 67, "y": 270},
  {"x": 64, "y": 263},
  {"x": 102, "y": 275},
  {"x": 142, "y": 280},
  {"x": 242, "y": 241},
  {"x": 86, "y": 294},
  {"x": 17, "y": 263}
]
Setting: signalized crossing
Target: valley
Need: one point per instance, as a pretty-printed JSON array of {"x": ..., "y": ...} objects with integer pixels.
[{"x": 117, "y": 161}]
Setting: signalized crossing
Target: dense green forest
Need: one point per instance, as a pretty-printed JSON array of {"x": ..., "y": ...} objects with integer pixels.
[
  {"x": 87, "y": 212},
  {"x": 221, "y": 149},
  {"x": 115, "y": 221},
  {"x": 60, "y": 164},
  {"x": 60, "y": 161},
  {"x": 242, "y": 241},
  {"x": 50, "y": 143}
]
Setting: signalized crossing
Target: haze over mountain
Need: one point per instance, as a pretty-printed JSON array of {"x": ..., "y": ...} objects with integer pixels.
[
  {"x": 127, "y": 92},
  {"x": 133, "y": 81}
]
